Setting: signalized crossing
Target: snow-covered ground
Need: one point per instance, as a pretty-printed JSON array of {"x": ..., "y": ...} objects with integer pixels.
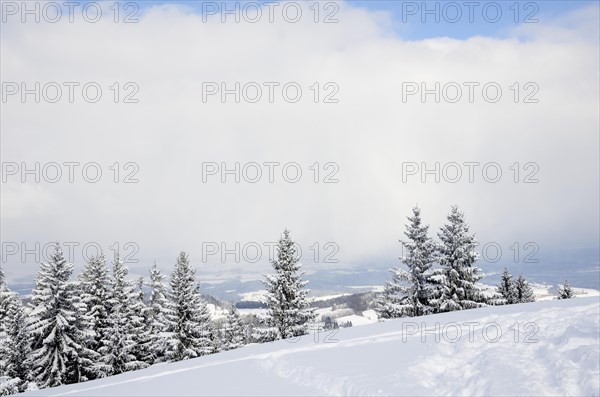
[
  {"x": 374, "y": 288},
  {"x": 544, "y": 292},
  {"x": 326, "y": 297},
  {"x": 216, "y": 313},
  {"x": 261, "y": 296},
  {"x": 543, "y": 348},
  {"x": 256, "y": 296},
  {"x": 256, "y": 312}
]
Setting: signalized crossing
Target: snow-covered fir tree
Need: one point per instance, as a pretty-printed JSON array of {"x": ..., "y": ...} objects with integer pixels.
[
  {"x": 3, "y": 325},
  {"x": 140, "y": 289},
  {"x": 409, "y": 292},
  {"x": 5, "y": 295},
  {"x": 14, "y": 344},
  {"x": 565, "y": 291},
  {"x": 457, "y": 256},
  {"x": 289, "y": 313},
  {"x": 85, "y": 367},
  {"x": 51, "y": 324},
  {"x": 191, "y": 332},
  {"x": 5, "y": 298},
  {"x": 119, "y": 346},
  {"x": 523, "y": 291},
  {"x": 233, "y": 331},
  {"x": 159, "y": 317},
  {"x": 95, "y": 286},
  {"x": 17, "y": 364},
  {"x": 393, "y": 299},
  {"x": 9, "y": 386},
  {"x": 141, "y": 325},
  {"x": 259, "y": 330},
  {"x": 507, "y": 289}
]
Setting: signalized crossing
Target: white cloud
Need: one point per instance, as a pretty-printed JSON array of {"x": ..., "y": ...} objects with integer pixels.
[{"x": 370, "y": 133}]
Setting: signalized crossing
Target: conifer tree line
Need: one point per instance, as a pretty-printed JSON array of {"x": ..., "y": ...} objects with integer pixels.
[
  {"x": 565, "y": 291},
  {"x": 514, "y": 291},
  {"x": 441, "y": 276},
  {"x": 103, "y": 323}
]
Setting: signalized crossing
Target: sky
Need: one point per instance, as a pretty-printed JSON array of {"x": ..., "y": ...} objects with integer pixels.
[
  {"x": 414, "y": 20},
  {"x": 517, "y": 150}
]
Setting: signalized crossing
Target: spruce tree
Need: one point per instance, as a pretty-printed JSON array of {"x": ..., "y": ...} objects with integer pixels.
[
  {"x": 120, "y": 345},
  {"x": 523, "y": 291},
  {"x": 85, "y": 367},
  {"x": 52, "y": 324},
  {"x": 565, "y": 291},
  {"x": 96, "y": 295},
  {"x": 410, "y": 291},
  {"x": 419, "y": 258},
  {"x": 457, "y": 256},
  {"x": 191, "y": 327},
  {"x": 289, "y": 312},
  {"x": 507, "y": 288},
  {"x": 159, "y": 318},
  {"x": 233, "y": 332},
  {"x": 9, "y": 386},
  {"x": 141, "y": 334},
  {"x": 394, "y": 299},
  {"x": 5, "y": 295},
  {"x": 15, "y": 344}
]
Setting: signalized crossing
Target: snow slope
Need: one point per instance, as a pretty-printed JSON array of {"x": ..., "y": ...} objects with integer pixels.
[{"x": 556, "y": 352}]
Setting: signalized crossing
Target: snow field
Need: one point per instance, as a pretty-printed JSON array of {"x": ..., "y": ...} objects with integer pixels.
[{"x": 544, "y": 348}]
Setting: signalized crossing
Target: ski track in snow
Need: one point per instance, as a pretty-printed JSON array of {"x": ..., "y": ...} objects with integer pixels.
[
  {"x": 381, "y": 359},
  {"x": 565, "y": 363}
]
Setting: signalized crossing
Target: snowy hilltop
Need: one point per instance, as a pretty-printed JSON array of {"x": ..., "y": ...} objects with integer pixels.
[
  {"x": 542, "y": 348},
  {"x": 97, "y": 328}
]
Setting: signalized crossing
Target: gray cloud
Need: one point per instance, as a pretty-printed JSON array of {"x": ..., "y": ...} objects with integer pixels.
[{"x": 369, "y": 134}]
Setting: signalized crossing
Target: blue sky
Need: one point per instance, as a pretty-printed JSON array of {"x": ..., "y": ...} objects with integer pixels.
[
  {"x": 407, "y": 16},
  {"x": 415, "y": 20}
]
